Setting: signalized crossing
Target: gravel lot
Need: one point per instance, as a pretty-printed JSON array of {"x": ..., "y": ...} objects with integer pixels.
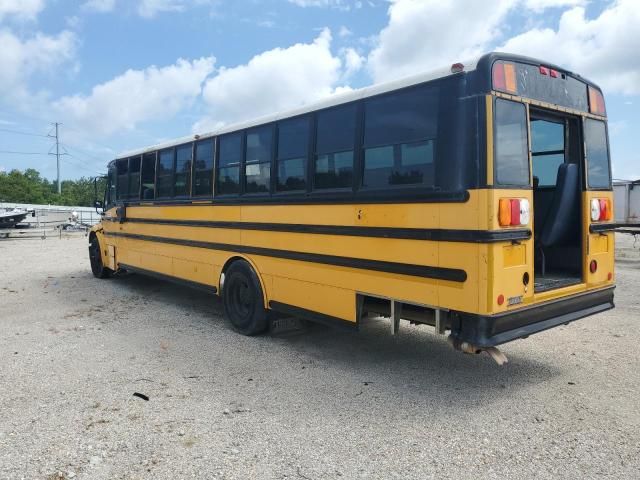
[{"x": 314, "y": 404}]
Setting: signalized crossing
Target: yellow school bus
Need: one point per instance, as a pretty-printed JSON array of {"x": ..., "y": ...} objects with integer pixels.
[{"x": 476, "y": 199}]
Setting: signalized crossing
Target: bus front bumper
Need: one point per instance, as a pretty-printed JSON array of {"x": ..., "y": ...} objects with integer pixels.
[{"x": 485, "y": 331}]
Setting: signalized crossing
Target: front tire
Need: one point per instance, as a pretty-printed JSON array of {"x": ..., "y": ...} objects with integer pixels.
[
  {"x": 95, "y": 258},
  {"x": 242, "y": 299}
]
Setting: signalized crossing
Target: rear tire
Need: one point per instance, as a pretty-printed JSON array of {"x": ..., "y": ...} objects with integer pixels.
[
  {"x": 95, "y": 258},
  {"x": 242, "y": 299}
]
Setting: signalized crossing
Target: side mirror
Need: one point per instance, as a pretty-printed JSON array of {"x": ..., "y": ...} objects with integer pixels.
[{"x": 98, "y": 205}]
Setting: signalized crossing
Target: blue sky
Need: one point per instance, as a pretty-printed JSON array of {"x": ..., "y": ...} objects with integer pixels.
[{"x": 123, "y": 74}]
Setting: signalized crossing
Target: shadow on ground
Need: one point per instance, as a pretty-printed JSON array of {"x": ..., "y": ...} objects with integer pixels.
[{"x": 414, "y": 362}]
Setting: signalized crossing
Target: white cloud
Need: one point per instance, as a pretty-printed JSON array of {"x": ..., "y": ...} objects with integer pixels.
[
  {"x": 101, "y": 6},
  {"x": 540, "y": 5},
  {"x": 426, "y": 34},
  {"x": 344, "y": 32},
  {"x": 22, "y": 9},
  {"x": 137, "y": 96},
  {"x": 339, "y": 4},
  {"x": 353, "y": 61},
  {"x": 275, "y": 80},
  {"x": 150, "y": 8},
  {"x": 22, "y": 58},
  {"x": 604, "y": 49}
]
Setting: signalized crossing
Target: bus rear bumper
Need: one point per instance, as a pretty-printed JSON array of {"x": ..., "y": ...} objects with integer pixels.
[{"x": 485, "y": 331}]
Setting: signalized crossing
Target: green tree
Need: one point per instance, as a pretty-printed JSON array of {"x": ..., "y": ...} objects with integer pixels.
[{"x": 29, "y": 187}]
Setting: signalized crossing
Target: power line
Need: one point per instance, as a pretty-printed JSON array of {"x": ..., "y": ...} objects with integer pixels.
[
  {"x": 22, "y": 153},
  {"x": 83, "y": 167},
  {"x": 23, "y": 133},
  {"x": 83, "y": 152}
]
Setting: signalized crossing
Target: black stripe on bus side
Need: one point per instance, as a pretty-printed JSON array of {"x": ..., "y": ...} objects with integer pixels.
[
  {"x": 161, "y": 276},
  {"x": 433, "y": 234},
  {"x": 312, "y": 316},
  {"x": 362, "y": 197},
  {"x": 439, "y": 273}
]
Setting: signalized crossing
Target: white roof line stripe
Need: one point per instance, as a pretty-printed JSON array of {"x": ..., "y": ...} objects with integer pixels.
[{"x": 328, "y": 102}]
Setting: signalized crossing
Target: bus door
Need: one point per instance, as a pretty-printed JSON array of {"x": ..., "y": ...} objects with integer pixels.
[{"x": 556, "y": 155}]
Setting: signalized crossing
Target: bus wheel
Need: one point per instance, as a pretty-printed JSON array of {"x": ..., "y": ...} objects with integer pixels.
[
  {"x": 97, "y": 267},
  {"x": 242, "y": 299}
]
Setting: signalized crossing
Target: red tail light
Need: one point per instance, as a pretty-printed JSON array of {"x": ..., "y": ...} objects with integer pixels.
[
  {"x": 601, "y": 210},
  {"x": 513, "y": 212}
]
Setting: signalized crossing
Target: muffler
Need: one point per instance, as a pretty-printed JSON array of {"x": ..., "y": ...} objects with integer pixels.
[{"x": 466, "y": 347}]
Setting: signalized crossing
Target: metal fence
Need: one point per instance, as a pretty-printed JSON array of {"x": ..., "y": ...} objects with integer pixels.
[{"x": 44, "y": 221}]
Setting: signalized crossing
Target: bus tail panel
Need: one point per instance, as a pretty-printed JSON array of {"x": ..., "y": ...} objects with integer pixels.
[{"x": 484, "y": 331}]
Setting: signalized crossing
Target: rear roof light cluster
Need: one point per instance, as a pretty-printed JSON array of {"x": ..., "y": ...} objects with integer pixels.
[
  {"x": 596, "y": 102},
  {"x": 549, "y": 71},
  {"x": 504, "y": 77},
  {"x": 514, "y": 212},
  {"x": 601, "y": 210}
]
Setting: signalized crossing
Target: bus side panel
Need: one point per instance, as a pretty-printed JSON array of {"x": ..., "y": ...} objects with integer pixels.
[{"x": 336, "y": 302}]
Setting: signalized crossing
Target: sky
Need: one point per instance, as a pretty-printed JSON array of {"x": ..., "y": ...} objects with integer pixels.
[{"x": 124, "y": 74}]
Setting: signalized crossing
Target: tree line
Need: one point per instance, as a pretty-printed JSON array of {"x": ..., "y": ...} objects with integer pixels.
[{"x": 28, "y": 186}]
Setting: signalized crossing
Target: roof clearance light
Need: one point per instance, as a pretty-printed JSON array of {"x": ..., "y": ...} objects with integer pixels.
[
  {"x": 504, "y": 77},
  {"x": 544, "y": 70},
  {"x": 553, "y": 73},
  {"x": 596, "y": 102},
  {"x": 457, "y": 68}
]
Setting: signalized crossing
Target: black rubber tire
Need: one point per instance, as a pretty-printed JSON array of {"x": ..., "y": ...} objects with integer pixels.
[
  {"x": 95, "y": 258},
  {"x": 243, "y": 300}
]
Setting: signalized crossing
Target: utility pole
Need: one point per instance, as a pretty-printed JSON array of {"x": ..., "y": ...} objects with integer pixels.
[{"x": 57, "y": 154}]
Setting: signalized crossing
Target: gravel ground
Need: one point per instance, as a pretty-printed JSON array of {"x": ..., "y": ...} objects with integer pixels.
[{"x": 314, "y": 404}]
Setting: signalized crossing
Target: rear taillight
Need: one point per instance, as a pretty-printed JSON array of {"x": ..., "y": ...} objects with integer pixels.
[
  {"x": 601, "y": 210},
  {"x": 504, "y": 77},
  {"x": 513, "y": 212}
]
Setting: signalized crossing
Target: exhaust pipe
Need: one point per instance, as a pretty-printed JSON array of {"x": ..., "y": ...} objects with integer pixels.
[{"x": 465, "y": 347}]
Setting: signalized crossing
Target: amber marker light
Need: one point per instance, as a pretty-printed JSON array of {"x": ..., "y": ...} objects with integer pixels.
[{"x": 504, "y": 77}]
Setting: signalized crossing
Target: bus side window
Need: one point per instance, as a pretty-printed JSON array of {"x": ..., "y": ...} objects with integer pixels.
[
  {"x": 134, "y": 178},
  {"x": 258, "y": 159},
  {"x": 165, "y": 173},
  {"x": 203, "y": 169},
  {"x": 511, "y": 150},
  {"x": 229, "y": 159},
  {"x": 335, "y": 139},
  {"x": 122, "y": 189},
  {"x": 111, "y": 186},
  {"x": 182, "y": 178},
  {"x": 400, "y": 133},
  {"x": 149, "y": 176},
  {"x": 293, "y": 153}
]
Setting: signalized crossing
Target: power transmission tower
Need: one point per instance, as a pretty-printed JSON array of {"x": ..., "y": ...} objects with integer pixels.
[{"x": 57, "y": 154}]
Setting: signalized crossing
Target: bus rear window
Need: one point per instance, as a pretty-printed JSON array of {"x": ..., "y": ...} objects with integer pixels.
[
  {"x": 511, "y": 156},
  {"x": 598, "y": 174}
]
